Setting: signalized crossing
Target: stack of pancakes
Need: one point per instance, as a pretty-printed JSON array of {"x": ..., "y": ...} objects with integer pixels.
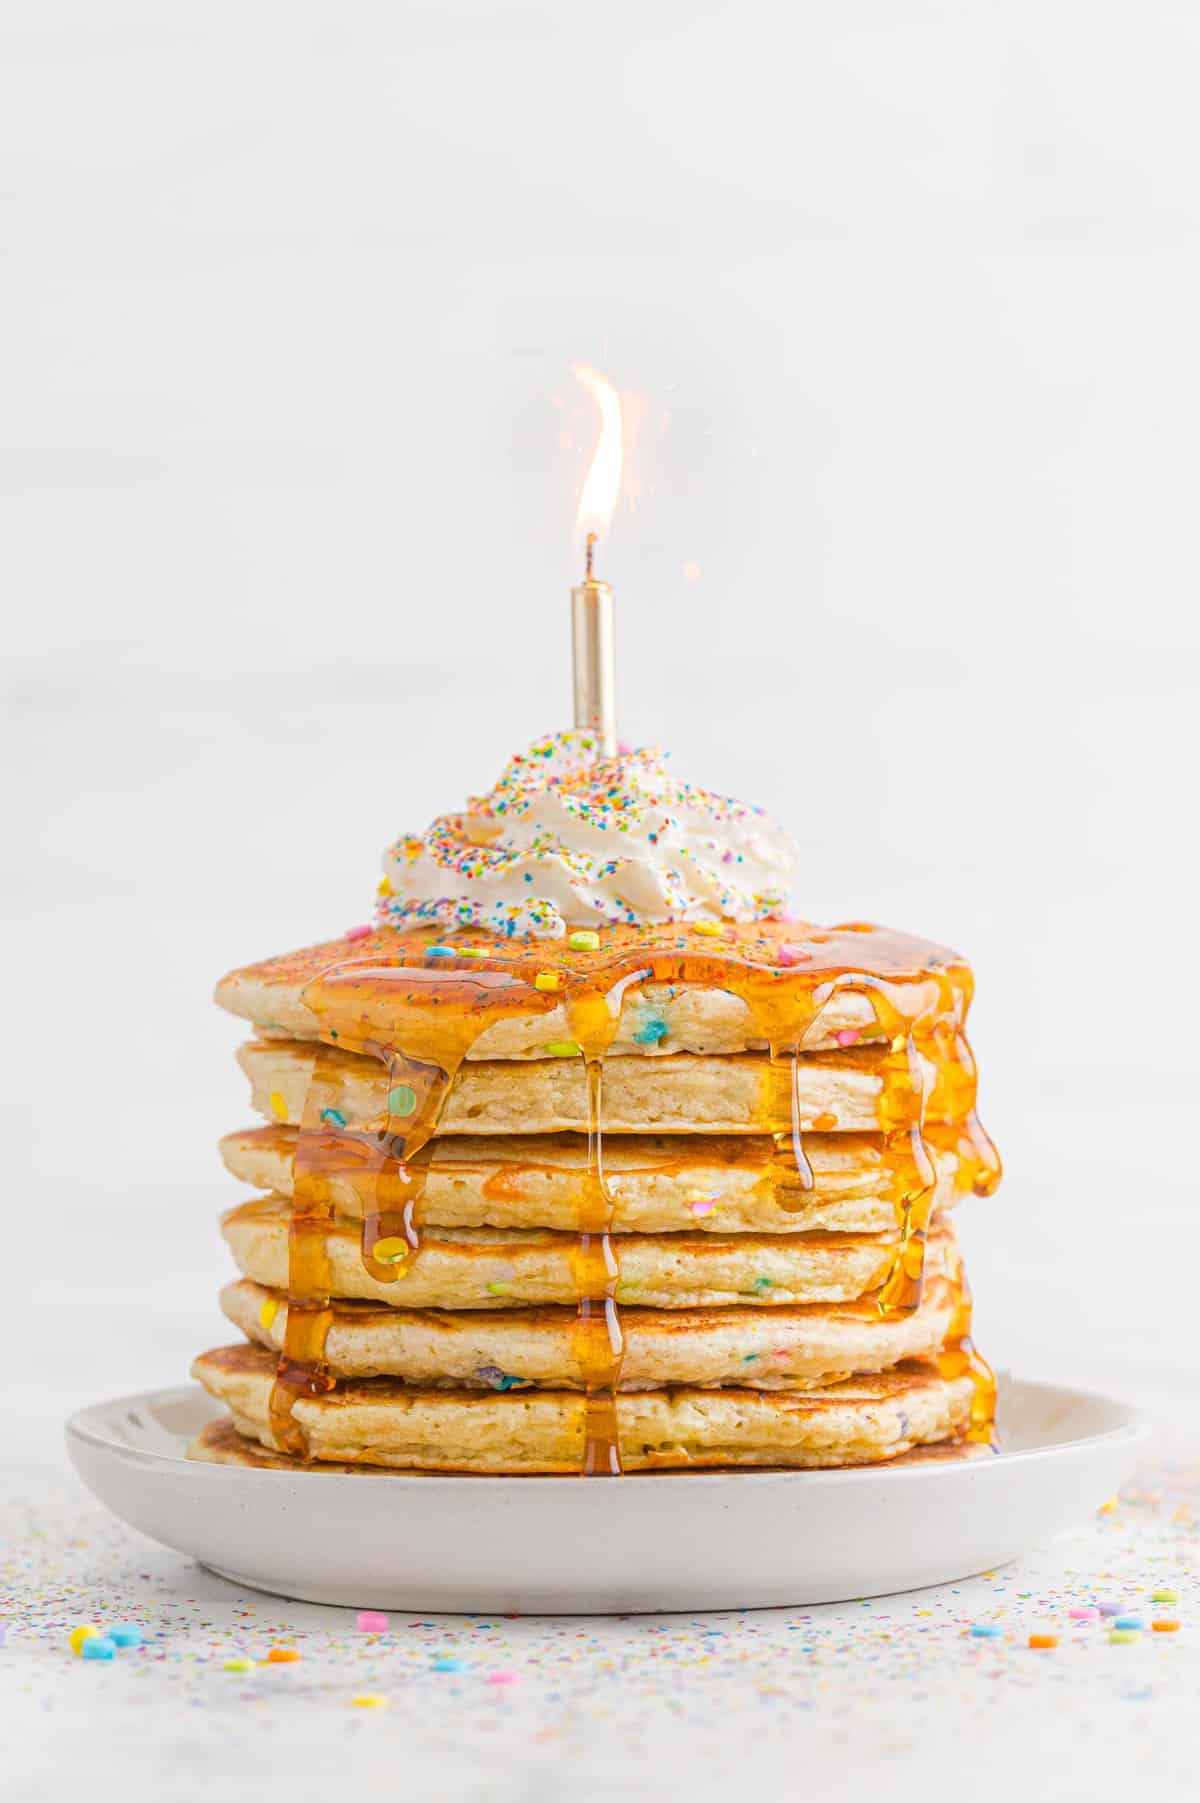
[{"x": 655, "y": 1197}]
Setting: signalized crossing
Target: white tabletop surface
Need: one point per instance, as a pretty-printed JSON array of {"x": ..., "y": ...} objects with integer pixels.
[{"x": 844, "y": 1699}]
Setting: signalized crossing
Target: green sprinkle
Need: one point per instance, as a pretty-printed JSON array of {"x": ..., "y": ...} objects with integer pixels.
[
  {"x": 562, "y": 1048},
  {"x": 239, "y": 1665},
  {"x": 1164, "y": 1596},
  {"x": 402, "y": 1099},
  {"x": 586, "y": 941},
  {"x": 1123, "y": 1636},
  {"x": 749, "y": 1358},
  {"x": 762, "y": 1283},
  {"x": 499, "y": 1289}
]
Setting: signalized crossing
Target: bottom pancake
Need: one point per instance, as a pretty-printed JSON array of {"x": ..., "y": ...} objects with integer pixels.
[
  {"x": 380, "y": 1422},
  {"x": 219, "y": 1443}
]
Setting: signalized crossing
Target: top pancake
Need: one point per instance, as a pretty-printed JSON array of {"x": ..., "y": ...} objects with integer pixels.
[{"x": 686, "y": 1010}]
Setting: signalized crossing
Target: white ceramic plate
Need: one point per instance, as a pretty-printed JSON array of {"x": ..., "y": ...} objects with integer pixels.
[{"x": 690, "y": 1540}]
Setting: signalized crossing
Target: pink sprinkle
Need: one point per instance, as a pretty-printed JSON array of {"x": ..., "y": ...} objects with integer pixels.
[
  {"x": 504, "y": 1677},
  {"x": 624, "y": 748},
  {"x": 1084, "y": 1614},
  {"x": 847, "y": 1036},
  {"x": 702, "y": 1208},
  {"x": 358, "y": 933},
  {"x": 371, "y": 1622},
  {"x": 792, "y": 954}
]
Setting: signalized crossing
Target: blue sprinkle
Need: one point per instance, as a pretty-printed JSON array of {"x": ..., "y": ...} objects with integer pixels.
[
  {"x": 440, "y": 951},
  {"x": 439, "y": 1665},
  {"x": 509, "y": 1383},
  {"x": 333, "y": 1117},
  {"x": 98, "y": 1646},
  {"x": 126, "y": 1633},
  {"x": 985, "y": 1630},
  {"x": 652, "y": 1031},
  {"x": 1122, "y": 1621}
]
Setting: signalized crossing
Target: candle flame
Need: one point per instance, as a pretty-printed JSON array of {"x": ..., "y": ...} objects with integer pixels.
[{"x": 603, "y": 484}]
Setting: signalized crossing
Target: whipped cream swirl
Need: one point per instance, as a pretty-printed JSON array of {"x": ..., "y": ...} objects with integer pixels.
[{"x": 569, "y": 838}]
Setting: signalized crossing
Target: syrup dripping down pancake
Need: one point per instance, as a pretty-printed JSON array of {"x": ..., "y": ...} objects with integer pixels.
[
  {"x": 220, "y": 1443},
  {"x": 655, "y": 1017},
  {"x": 505, "y": 1350},
  {"x": 656, "y": 1183},
  {"x": 379, "y": 1422},
  {"x": 678, "y": 1095},
  {"x": 482, "y": 1267}
]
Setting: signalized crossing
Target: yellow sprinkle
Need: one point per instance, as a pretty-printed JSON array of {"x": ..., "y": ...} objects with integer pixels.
[
  {"x": 385, "y": 888},
  {"x": 278, "y": 1106},
  {"x": 78, "y": 1635},
  {"x": 474, "y": 951},
  {"x": 586, "y": 941},
  {"x": 239, "y": 1665},
  {"x": 268, "y": 1312},
  {"x": 562, "y": 1048},
  {"x": 499, "y": 1289},
  {"x": 548, "y": 980},
  {"x": 390, "y": 1251},
  {"x": 370, "y": 1701},
  {"x": 712, "y": 929},
  {"x": 1164, "y": 1596},
  {"x": 1108, "y": 1507}
]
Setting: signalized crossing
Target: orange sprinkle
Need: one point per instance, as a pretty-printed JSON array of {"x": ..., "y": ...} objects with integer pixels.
[
  {"x": 1165, "y": 1627},
  {"x": 281, "y": 1655},
  {"x": 1043, "y": 1640}
]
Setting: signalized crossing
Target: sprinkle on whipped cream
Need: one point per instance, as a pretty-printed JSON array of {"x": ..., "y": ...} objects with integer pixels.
[{"x": 569, "y": 838}]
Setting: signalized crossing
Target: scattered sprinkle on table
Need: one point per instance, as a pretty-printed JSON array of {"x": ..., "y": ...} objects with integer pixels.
[
  {"x": 1043, "y": 1641},
  {"x": 1162, "y": 1626},
  {"x": 1122, "y": 1637},
  {"x": 126, "y": 1633},
  {"x": 985, "y": 1630},
  {"x": 281, "y": 1655},
  {"x": 239, "y": 1665},
  {"x": 1084, "y": 1614},
  {"x": 1132, "y": 1622},
  {"x": 504, "y": 1677},
  {"x": 1164, "y": 1596},
  {"x": 371, "y": 1621},
  {"x": 449, "y": 1665},
  {"x": 78, "y": 1635},
  {"x": 98, "y": 1646},
  {"x": 370, "y": 1701}
]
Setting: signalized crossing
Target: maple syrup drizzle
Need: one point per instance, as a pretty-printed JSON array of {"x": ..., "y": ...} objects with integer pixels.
[{"x": 422, "y": 1015}]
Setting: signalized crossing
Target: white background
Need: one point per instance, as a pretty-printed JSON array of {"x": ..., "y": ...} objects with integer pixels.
[{"x": 288, "y": 448}]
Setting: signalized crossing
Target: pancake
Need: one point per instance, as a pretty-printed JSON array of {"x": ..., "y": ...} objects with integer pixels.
[
  {"x": 482, "y": 1267},
  {"x": 686, "y": 1094},
  {"x": 219, "y": 1443},
  {"x": 656, "y": 1184},
  {"x": 751, "y": 1348},
  {"x": 655, "y": 1020},
  {"x": 379, "y": 1422}
]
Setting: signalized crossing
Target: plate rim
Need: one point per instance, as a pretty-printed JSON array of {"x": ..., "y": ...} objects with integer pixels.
[{"x": 1134, "y": 1429}]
